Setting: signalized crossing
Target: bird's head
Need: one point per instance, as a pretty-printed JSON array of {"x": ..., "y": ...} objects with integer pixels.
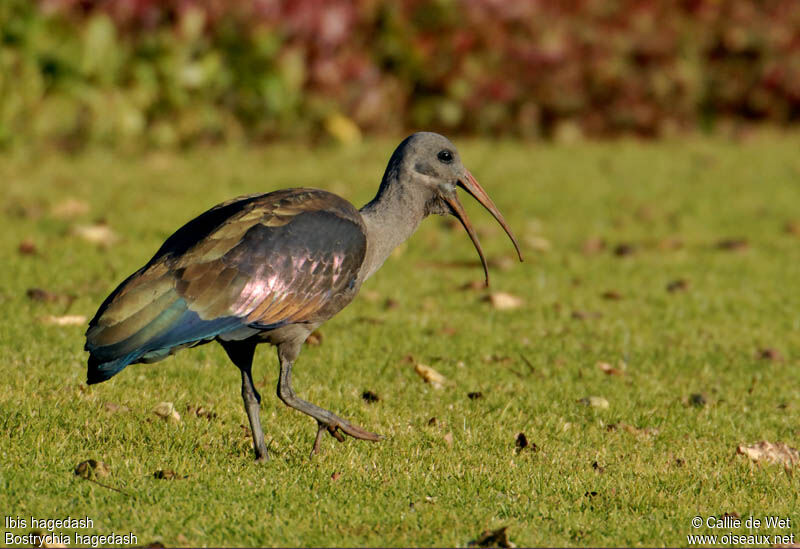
[{"x": 430, "y": 165}]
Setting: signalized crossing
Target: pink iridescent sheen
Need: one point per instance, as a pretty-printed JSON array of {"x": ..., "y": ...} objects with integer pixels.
[
  {"x": 255, "y": 292},
  {"x": 276, "y": 287},
  {"x": 337, "y": 266}
]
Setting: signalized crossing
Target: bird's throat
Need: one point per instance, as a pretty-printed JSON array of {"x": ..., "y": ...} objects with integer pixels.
[{"x": 390, "y": 218}]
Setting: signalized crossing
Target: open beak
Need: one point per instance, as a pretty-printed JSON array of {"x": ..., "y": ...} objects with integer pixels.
[{"x": 471, "y": 185}]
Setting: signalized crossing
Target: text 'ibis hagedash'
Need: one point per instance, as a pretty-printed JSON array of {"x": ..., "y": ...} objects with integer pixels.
[{"x": 270, "y": 268}]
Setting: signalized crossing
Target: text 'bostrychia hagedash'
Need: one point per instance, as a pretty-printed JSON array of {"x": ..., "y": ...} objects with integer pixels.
[{"x": 270, "y": 268}]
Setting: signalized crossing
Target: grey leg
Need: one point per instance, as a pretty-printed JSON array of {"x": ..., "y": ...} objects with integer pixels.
[
  {"x": 326, "y": 420},
  {"x": 252, "y": 401},
  {"x": 241, "y": 353}
]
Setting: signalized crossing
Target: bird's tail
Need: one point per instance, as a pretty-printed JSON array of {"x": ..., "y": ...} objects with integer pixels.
[{"x": 99, "y": 371}]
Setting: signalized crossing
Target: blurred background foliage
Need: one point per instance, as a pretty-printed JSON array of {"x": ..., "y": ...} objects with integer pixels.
[{"x": 180, "y": 72}]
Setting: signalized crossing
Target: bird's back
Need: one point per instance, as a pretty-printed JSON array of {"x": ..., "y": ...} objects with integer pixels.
[{"x": 252, "y": 264}]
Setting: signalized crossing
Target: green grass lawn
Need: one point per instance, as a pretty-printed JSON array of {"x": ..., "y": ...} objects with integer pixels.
[{"x": 632, "y": 473}]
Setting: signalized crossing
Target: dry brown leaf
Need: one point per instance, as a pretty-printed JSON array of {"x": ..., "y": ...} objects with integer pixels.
[
  {"x": 99, "y": 233},
  {"x": 593, "y": 245},
  {"x": 27, "y": 247},
  {"x": 200, "y": 411},
  {"x": 503, "y": 301},
  {"x": 168, "y": 474},
  {"x": 608, "y": 369},
  {"x": 698, "y": 400},
  {"x": 450, "y": 224},
  {"x": 611, "y": 295},
  {"x": 335, "y": 475},
  {"x": 113, "y": 408},
  {"x": 769, "y": 452},
  {"x": 624, "y": 249},
  {"x": 492, "y": 538},
  {"x": 92, "y": 468},
  {"x": 448, "y": 438},
  {"x": 733, "y": 244},
  {"x": 679, "y": 285},
  {"x": 69, "y": 208},
  {"x": 521, "y": 443},
  {"x": 770, "y": 354},
  {"x": 40, "y": 294},
  {"x": 595, "y": 402},
  {"x": 65, "y": 320},
  {"x": 167, "y": 411},
  {"x": 583, "y": 315},
  {"x": 370, "y": 397},
  {"x": 473, "y": 285},
  {"x": 430, "y": 375},
  {"x": 792, "y": 227}
]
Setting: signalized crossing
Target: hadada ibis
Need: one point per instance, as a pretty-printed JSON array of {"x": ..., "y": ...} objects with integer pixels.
[{"x": 270, "y": 268}]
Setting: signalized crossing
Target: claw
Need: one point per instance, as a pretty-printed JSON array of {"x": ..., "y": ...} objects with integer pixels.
[
  {"x": 346, "y": 427},
  {"x": 321, "y": 429},
  {"x": 336, "y": 434}
]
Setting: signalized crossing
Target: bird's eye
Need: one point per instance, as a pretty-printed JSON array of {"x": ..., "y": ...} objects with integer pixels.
[{"x": 445, "y": 156}]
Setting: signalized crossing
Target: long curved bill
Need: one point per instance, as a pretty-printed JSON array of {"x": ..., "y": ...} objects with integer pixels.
[{"x": 471, "y": 185}]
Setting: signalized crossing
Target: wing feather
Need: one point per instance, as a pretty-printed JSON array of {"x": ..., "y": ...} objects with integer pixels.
[{"x": 135, "y": 323}]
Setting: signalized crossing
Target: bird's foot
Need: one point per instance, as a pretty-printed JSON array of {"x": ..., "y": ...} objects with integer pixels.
[{"x": 336, "y": 426}]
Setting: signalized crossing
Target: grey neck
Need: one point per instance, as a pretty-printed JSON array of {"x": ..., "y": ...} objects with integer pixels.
[{"x": 390, "y": 218}]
